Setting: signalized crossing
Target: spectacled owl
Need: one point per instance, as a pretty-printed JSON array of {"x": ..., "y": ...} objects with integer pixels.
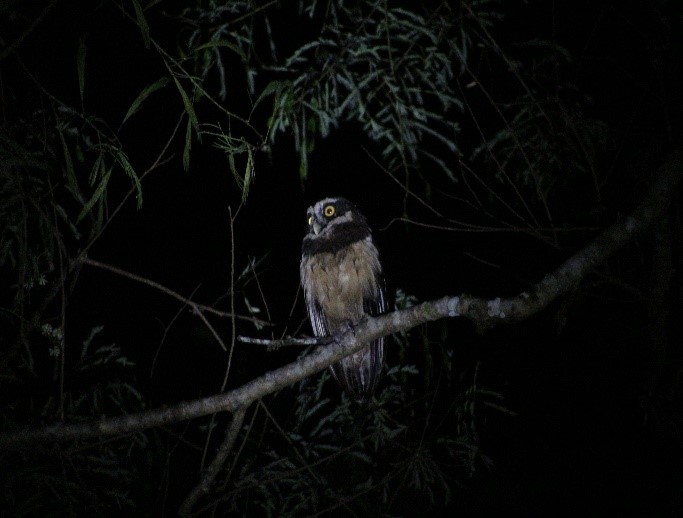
[{"x": 342, "y": 281}]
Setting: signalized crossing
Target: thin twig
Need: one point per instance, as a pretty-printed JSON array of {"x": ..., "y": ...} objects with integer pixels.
[
  {"x": 216, "y": 464},
  {"x": 232, "y": 295},
  {"x": 167, "y": 328},
  {"x": 233, "y": 327},
  {"x": 37, "y": 21},
  {"x": 213, "y": 331},
  {"x": 197, "y": 308}
]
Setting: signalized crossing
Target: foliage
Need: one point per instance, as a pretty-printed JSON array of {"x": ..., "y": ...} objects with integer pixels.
[
  {"x": 386, "y": 68},
  {"x": 390, "y": 69},
  {"x": 92, "y": 476},
  {"x": 545, "y": 144},
  {"x": 66, "y": 172},
  {"x": 333, "y": 454}
]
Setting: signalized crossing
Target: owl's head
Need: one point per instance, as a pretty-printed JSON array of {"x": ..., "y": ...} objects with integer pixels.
[
  {"x": 332, "y": 224},
  {"x": 327, "y": 214}
]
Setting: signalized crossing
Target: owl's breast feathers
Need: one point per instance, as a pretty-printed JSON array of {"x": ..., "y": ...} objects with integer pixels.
[
  {"x": 342, "y": 282},
  {"x": 345, "y": 233}
]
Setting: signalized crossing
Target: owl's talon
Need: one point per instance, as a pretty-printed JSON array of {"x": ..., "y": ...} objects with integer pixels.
[{"x": 350, "y": 327}]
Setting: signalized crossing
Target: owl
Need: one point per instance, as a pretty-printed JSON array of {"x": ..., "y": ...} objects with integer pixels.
[{"x": 342, "y": 281}]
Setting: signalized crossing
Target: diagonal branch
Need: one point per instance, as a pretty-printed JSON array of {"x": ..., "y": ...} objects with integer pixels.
[
  {"x": 274, "y": 345},
  {"x": 197, "y": 308},
  {"x": 214, "y": 468},
  {"x": 484, "y": 313}
]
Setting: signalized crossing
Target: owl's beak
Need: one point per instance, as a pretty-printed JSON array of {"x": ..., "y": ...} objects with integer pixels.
[{"x": 318, "y": 224}]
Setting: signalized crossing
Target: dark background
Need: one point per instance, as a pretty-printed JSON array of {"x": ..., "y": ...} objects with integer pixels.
[{"x": 596, "y": 424}]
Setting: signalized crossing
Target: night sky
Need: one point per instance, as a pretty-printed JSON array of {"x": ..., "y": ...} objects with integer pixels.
[{"x": 584, "y": 430}]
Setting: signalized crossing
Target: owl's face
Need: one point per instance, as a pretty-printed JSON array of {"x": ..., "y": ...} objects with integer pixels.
[
  {"x": 333, "y": 223},
  {"x": 325, "y": 215}
]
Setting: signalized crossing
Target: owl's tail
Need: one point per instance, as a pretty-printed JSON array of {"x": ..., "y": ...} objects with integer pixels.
[{"x": 359, "y": 373}]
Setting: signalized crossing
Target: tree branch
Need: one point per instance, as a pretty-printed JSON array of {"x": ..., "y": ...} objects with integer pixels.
[
  {"x": 212, "y": 471},
  {"x": 273, "y": 345},
  {"x": 484, "y": 313},
  {"x": 197, "y": 308}
]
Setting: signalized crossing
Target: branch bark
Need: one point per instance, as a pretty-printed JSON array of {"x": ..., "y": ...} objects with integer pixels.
[
  {"x": 484, "y": 313},
  {"x": 214, "y": 468}
]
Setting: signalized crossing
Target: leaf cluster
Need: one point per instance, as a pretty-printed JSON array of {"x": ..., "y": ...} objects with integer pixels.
[{"x": 93, "y": 476}]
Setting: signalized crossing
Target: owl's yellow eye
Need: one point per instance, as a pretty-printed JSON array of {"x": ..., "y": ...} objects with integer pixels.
[
  {"x": 329, "y": 211},
  {"x": 310, "y": 219}
]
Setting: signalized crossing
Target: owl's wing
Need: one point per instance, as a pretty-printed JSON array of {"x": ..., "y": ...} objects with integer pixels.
[
  {"x": 360, "y": 373},
  {"x": 318, "y": 319},
  {"x": 377, "y": 304}
]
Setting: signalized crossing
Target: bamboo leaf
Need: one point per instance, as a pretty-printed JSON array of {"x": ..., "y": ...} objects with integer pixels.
[
  {"x": 272, "y": 87},
  {"x": 233, "y": 167},
  {"x": 144, "y": 94},
  {"x": 96, "y": 169},
  {"x": 188, "y": 107},
  {"x": 248, "y": 174},
  {"x": 142, "y": 23},
  {"x": 80, "y": 65},
  {"x": 122, "y": 159},
  {"x": 222, "y": 43},
  {"x": 70, "y": 175},
  {"x": 96, "y": 196},
  {"x": 188, "y": 146}
]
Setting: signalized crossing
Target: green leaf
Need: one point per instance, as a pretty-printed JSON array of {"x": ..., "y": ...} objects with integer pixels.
[
  {"x": 272, "y": 87},
  {"x": 142, "y": 23},
  {"x": 80, "y": 64},
  {"x": 96, "y": 195},
  {"x": 222, "y": 43},
  {"x": 86, "y": 343},
  {"x": 303, "y": 164},
  {"x": 188, "y": 146},
  {"x": 99, "y": 218},
  {"x": 146, "y": 92},
  {"x": 96, "y": 169},
  {"x": 70, "y": 175},
  {"x": 188, "y": 107},
  {"x": 233, "y": 167},
  {"x": 122, "y": 159},
  {"x": 248, "y": 174}
]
